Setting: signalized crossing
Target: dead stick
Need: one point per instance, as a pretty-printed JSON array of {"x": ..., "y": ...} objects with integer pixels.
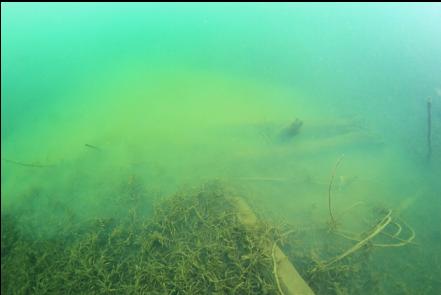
[
  {"x": 429, "y": 128},
  {"x": 27, "y": 164}
]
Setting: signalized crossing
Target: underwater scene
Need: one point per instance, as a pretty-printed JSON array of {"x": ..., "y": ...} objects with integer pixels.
[{"x": 220, "y": 148}]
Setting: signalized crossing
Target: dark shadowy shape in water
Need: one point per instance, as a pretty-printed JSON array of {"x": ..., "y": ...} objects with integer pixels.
[
  {"x": 289, "y": 132},
  {"x": 92, "y": 147}
]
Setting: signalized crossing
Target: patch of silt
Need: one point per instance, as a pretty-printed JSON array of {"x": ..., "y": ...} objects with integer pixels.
[{"x": 192, "y": 244}]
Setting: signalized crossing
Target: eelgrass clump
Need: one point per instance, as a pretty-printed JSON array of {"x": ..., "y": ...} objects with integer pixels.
[{"x": 193, "y": 244}]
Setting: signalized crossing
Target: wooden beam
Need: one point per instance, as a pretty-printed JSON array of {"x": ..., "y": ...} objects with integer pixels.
[{"x": 291, "y": 283}]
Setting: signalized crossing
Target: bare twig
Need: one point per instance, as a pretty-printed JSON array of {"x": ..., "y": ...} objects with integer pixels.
[{"x": 34, "y": 165}]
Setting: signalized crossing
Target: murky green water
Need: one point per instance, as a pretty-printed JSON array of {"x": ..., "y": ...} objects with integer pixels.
[{"x": 102, "y": 100}]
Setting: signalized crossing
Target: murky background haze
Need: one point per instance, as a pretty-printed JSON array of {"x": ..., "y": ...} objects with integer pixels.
[{"x": 173, "y": 95}]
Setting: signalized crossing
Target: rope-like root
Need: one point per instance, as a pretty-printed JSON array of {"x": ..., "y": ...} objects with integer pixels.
[
  {"x": 375, "y": 231},
  {"x": 333, "y": 222},
  {"x": 402, "y": 242},
  {"x": 399, "y": 228},
  {"x": 276, "y": 276}
]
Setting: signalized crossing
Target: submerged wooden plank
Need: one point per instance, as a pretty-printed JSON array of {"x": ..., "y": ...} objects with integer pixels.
[{"x": 290, "y": 280}]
